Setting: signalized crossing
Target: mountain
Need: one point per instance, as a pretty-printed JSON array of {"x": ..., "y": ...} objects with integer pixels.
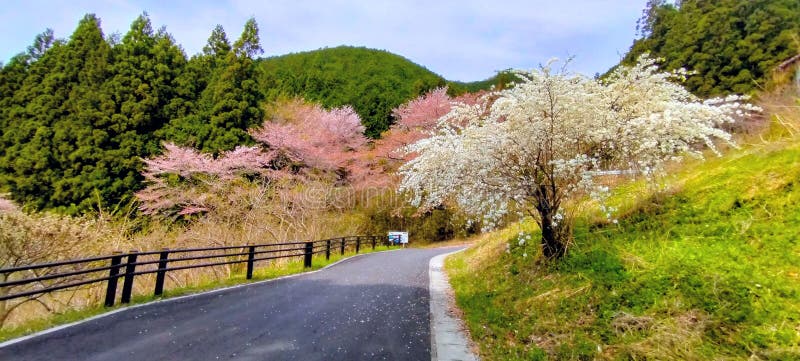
[
  {"x": 372, "y": 81},
  {"x": 500, "y": 80}
]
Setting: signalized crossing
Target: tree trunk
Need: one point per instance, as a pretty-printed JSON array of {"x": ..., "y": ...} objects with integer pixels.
[{"x": 552, "y": 246}]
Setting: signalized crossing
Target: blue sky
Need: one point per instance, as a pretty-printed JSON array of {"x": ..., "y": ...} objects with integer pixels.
[{"x": 461, "y": 40}]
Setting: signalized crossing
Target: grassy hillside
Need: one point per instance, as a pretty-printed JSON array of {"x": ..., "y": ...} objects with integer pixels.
[
  {"x": 373, "y": 81},
  {"x": 709, "y": 269}
]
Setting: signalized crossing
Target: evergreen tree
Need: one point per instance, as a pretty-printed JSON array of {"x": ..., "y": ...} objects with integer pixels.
[
  {"x": 731, "y": 45},
  {"x": 142, "y": 79},
  {"x": 55, "y": 123},
  {"x": 228, "y": 103},
  {"x": 81, "y": 130},
  {"x": 85, "y": 113}
]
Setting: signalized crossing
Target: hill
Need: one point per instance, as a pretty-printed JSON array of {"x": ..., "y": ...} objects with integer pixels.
[
  {"x": 373, "y": 81},
  {"x": 731, "y": 45},
  {"x": 500, "y": 80},
  {"x": 78, "y": 114},
  {"x": 705, "y": 270}
]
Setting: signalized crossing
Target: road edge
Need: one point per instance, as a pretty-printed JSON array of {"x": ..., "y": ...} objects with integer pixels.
[
  {"x": 172, "y": 299},
  {"x": 448, "y": 339}
]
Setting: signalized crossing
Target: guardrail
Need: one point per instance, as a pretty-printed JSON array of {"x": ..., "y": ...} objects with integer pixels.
[{"x": 55, "y": 276}]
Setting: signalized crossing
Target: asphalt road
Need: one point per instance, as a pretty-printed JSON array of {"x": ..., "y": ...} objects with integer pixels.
[{"x": 372, "y": 307}]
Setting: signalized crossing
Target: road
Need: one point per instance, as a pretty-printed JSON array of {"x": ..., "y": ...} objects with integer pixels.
[{"x": 371, "y": 307}]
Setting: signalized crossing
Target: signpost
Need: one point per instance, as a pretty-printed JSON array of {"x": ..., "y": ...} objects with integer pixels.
[{"x": 396, "y": 237}]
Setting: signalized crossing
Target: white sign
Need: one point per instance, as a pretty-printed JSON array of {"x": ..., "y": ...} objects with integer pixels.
[{"x": 398, "y": 237}]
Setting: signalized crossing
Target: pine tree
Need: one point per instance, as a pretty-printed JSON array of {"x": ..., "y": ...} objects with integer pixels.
[
  {"x": 81, "y": 131},
  {"x": 141, "y": 85},
  {"x": 228, "y": 104},
  {"x": 27, "y": 165}
]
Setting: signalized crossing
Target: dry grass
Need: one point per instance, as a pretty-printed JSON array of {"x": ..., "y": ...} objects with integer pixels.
[{"x": 249, "y": 214}]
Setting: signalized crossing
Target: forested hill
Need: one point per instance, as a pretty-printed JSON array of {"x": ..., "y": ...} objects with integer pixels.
[
  {"x": 373, "y": 81},
  {"x": 78, "y": 114},
  {"x": 731, "y": 45}
]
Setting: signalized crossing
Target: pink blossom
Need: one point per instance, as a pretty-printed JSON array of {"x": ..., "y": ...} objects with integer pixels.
[
  {"x": 186, "y": 162},
  {"x": 323, "y": 139},
  {"x": 423, "y": 112},
  {"x": 7, "y": 205},
  {"x": 159, "y": 197}
]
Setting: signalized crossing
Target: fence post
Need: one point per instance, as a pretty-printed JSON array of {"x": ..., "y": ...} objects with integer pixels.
[
  {"x": 327, "y": 249},
  {"x": 130, "y": 268},
  {"x": 343, "y": 241},
  {"x": 162, "y": 271},
  {"x": 251, "y": 255},
  {"x": 358, "y": 244},
  {"x": 308, "y": 254},
  {"x": 374, "y": 240},
  {"x": 113, "y": 272}
]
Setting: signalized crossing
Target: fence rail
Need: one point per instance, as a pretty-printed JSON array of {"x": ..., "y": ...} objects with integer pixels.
[{"x": 49, "y": 277}]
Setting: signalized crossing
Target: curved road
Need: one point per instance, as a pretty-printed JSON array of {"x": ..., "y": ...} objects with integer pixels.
[{"x": 371, "y": 307}]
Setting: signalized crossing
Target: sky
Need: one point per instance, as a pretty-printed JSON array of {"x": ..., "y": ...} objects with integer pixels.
[{"x": 462, "y": 40}]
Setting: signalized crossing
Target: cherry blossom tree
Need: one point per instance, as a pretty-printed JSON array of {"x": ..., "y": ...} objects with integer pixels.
[
  {"x": 319, "y": 138},
  {"x": 321, "y": 143},
  {"x": 545, "y": 144},
  {"x": 163, "y": 197},
  {"x": 415, "y": 120},
  {"x": 185, "y": 162}
]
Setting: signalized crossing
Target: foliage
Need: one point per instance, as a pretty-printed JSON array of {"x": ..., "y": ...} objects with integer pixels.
[
  {"x": 547, "y": 142},
  {"x": 77, "y": 116},
  {"x": 503, "y": 79},
  {"x": 373, "y": 82},
  {"x": 731, "y": 45},
  {"x": 228, "y": 103},
  {"x": 707, "y": 270},
  {"x": 51, "y": 155}
]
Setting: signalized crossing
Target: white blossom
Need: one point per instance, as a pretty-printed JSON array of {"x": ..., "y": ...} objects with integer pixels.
[{"x": 555, "y": 135}]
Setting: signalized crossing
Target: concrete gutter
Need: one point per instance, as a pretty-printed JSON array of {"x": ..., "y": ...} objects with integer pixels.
[{"x": 449, "y": 341}]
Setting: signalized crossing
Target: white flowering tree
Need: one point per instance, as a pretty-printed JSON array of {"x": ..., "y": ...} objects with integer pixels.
[{"x": 542, "y": 147}]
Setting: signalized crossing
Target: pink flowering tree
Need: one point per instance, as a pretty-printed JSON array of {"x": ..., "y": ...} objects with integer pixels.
[
  {"x": 415, "y": 120},
  {"x": 180, "y": 178},
  {"x": 318, "y": 138},
  {"x": 301, "y": 142}
]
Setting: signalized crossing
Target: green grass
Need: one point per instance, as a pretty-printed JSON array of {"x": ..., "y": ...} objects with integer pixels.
[
  {"x": 259, "y": 274},
  {"x": 710, "y": 269}
]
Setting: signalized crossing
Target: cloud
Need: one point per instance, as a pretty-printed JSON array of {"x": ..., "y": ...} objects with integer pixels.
[{"x": 462, "y": 40}]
